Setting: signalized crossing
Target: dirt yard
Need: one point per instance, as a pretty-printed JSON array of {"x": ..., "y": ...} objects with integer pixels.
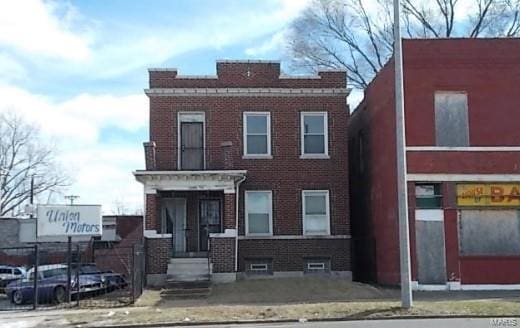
[{"x": 303, "y": 299}]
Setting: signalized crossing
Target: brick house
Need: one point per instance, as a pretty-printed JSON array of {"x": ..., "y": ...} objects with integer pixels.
[
  {"x": 462, "y": 108},
  {"x": 246, "y": 173}
]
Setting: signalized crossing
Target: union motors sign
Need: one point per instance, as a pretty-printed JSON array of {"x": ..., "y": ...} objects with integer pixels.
[
  {"x": 69, "y": 220},
  {"x": 488, "y": 194}
]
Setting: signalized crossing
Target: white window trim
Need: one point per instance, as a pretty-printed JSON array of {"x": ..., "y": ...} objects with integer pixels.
[
  {"x": 258, "y": 267},
  {"x": 244, "y": 137},
  {"x": 316, "y": 266},
  {"x": 190, "y": 117},
  {"x": 327, "y": 204},
  {"x": 247, "y": 233},
  {"x": 326, "y": 135}
]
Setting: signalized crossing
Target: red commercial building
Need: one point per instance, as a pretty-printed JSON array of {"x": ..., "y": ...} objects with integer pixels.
[
  {"x": 246, "y": 174},
  {"x": 462, "y": 113}
]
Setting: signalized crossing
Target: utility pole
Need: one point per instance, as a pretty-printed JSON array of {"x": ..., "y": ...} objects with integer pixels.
[
  {"x": 32, "y": 195},
  {"x": 402, "y": 189},
  {"x": 3, "y": 175},
  {"x": 72, "y": 198}
]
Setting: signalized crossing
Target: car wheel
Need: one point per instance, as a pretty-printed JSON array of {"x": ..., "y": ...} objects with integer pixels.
[
  {"x": 60, "y": 295},
  {"x": 17, "y": 297}
]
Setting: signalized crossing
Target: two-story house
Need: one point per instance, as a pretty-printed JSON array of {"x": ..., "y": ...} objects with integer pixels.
[
  {"x": 462, "y": 108},
  {"x": 246, "y": 173}
]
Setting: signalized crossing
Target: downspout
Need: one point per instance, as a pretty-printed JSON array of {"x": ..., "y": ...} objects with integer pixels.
[{"x": 237, "y": 193}]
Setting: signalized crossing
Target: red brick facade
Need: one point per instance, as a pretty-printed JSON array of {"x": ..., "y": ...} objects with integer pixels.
[
  {"x": 158, "y": 253},
  {"x": 261, "y": 87},
  {"x": 487, "y": 70}
]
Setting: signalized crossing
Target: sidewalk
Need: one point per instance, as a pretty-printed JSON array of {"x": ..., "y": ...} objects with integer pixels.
[{"x": 303, "y": 299}]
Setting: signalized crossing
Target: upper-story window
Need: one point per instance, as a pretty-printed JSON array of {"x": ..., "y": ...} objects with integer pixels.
[
  {"x": 257, "y": 134},
  {"x": 451, "y": 119},
  {"x": 314, "y": 135}
]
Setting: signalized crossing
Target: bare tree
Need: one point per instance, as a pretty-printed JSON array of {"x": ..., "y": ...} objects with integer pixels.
[
  {"x": 357, "y": 35},
  {"x": 23, "y": 156}
]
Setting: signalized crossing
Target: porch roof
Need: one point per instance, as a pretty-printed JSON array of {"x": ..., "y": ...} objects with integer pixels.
[{"x": 189, "y": 180}]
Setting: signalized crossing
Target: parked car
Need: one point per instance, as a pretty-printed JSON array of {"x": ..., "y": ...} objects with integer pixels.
[
  {"x": 110, "y": 279},
  {"x": 52, "y": 285},
  {"x": 8, "y": 274}
]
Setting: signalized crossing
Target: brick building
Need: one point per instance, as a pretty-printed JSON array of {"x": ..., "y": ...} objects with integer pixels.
[
  {"x": 462, "y": 108},
  {"x": 246, "y": 172}
]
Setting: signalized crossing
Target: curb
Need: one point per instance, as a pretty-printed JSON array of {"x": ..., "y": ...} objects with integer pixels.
[{"x": 249, "y": 322}]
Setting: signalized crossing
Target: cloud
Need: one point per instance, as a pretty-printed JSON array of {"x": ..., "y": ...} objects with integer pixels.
[
  {"x": 47, "y": 33},
  {"x": 276, "y": 42},
  {"x": 11, "y": 69},
  {"x": 34, "y": 27},
  {"x": 101, "y": 169}
]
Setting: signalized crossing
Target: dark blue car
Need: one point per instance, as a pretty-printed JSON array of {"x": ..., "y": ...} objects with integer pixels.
[{"x": 52, "y": 285}]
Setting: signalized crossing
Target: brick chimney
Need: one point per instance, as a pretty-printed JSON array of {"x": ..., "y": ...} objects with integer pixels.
[
  {"x": 149, "y": 155},
  {"x": 227, "y": 154}
]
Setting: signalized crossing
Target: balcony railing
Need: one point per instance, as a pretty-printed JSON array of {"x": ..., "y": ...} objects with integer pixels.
[{"x": 210, "y": 158}]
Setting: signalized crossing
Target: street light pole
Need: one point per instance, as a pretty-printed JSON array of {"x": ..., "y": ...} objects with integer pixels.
[{"x": 402, "y": 189}]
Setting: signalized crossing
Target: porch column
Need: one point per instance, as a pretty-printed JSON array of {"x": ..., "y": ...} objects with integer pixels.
[
  {"x": 152, "y": 221},
  {"x": 222, "y": 246}
]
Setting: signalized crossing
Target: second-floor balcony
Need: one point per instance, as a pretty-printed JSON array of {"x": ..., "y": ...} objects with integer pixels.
[{"x": 191, "y": 157}]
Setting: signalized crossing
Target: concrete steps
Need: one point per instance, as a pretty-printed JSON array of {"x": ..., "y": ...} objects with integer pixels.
[{"x": 187, "y": 278}]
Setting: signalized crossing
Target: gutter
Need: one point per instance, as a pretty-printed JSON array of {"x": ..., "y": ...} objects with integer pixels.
[{"x": 237, "y": 197}]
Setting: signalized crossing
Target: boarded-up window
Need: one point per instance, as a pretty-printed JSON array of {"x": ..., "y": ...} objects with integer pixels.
[
  {"x": 489, "y": 232},
  {"x": 451, "y": 119}
]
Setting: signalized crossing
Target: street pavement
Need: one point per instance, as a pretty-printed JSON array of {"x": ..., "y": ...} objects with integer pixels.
[{"x": 394, "y": 323}]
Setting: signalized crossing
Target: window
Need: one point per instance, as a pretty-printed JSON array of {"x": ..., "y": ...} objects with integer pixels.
[
  {"x": 451, "y": 119},
  {"x": 489, "y": 233},
  {"x": 257, "y": 134},
  {"x": 5, "y": 271},
  {"x": 258, "y": 266},
  {"x": 314, "y": 135},
  {"x": 259, "y": 214},
  {"x": 316, "y": 265},
  {"x": 316, "y": 217},
  {"x": 54, "y": 272},
  {"x": 17, "y": 272},
  {"x": 428, "y": 196}
]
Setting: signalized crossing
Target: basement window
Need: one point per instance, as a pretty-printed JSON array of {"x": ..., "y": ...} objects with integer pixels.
[
  {"x": 316, "y": 265},
  {"x": 259, "y": 266}
]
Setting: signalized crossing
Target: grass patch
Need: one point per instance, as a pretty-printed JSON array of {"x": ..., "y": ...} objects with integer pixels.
[{"x": 353, "y": 310}]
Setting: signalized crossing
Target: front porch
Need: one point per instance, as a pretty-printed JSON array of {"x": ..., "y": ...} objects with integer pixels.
[{"x": 191, "y": 214}]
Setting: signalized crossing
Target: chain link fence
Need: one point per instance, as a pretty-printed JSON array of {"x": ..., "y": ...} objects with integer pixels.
[{"x": 61, "y": 275}]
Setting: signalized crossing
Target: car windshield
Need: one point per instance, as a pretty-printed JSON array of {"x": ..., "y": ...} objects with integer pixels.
[{"x": 50, "y": 273}]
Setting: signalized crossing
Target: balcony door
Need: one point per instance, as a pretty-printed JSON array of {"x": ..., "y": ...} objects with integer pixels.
[{"x": 192, "y": 146}]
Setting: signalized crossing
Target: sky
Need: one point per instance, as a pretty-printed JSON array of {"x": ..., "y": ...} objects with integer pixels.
[{"x": 77, "y": 69}]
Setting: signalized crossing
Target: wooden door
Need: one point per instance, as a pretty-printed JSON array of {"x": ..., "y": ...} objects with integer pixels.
[{"x": 192, "y": 146}]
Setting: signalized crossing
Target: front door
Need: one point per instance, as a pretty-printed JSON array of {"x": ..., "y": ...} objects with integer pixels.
[
  {"x": 209, "y": 221},
  {"x": 192, "y": 146},
  {"x": 430, "y": 248},
  {"x": 174, "y": 222}
]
